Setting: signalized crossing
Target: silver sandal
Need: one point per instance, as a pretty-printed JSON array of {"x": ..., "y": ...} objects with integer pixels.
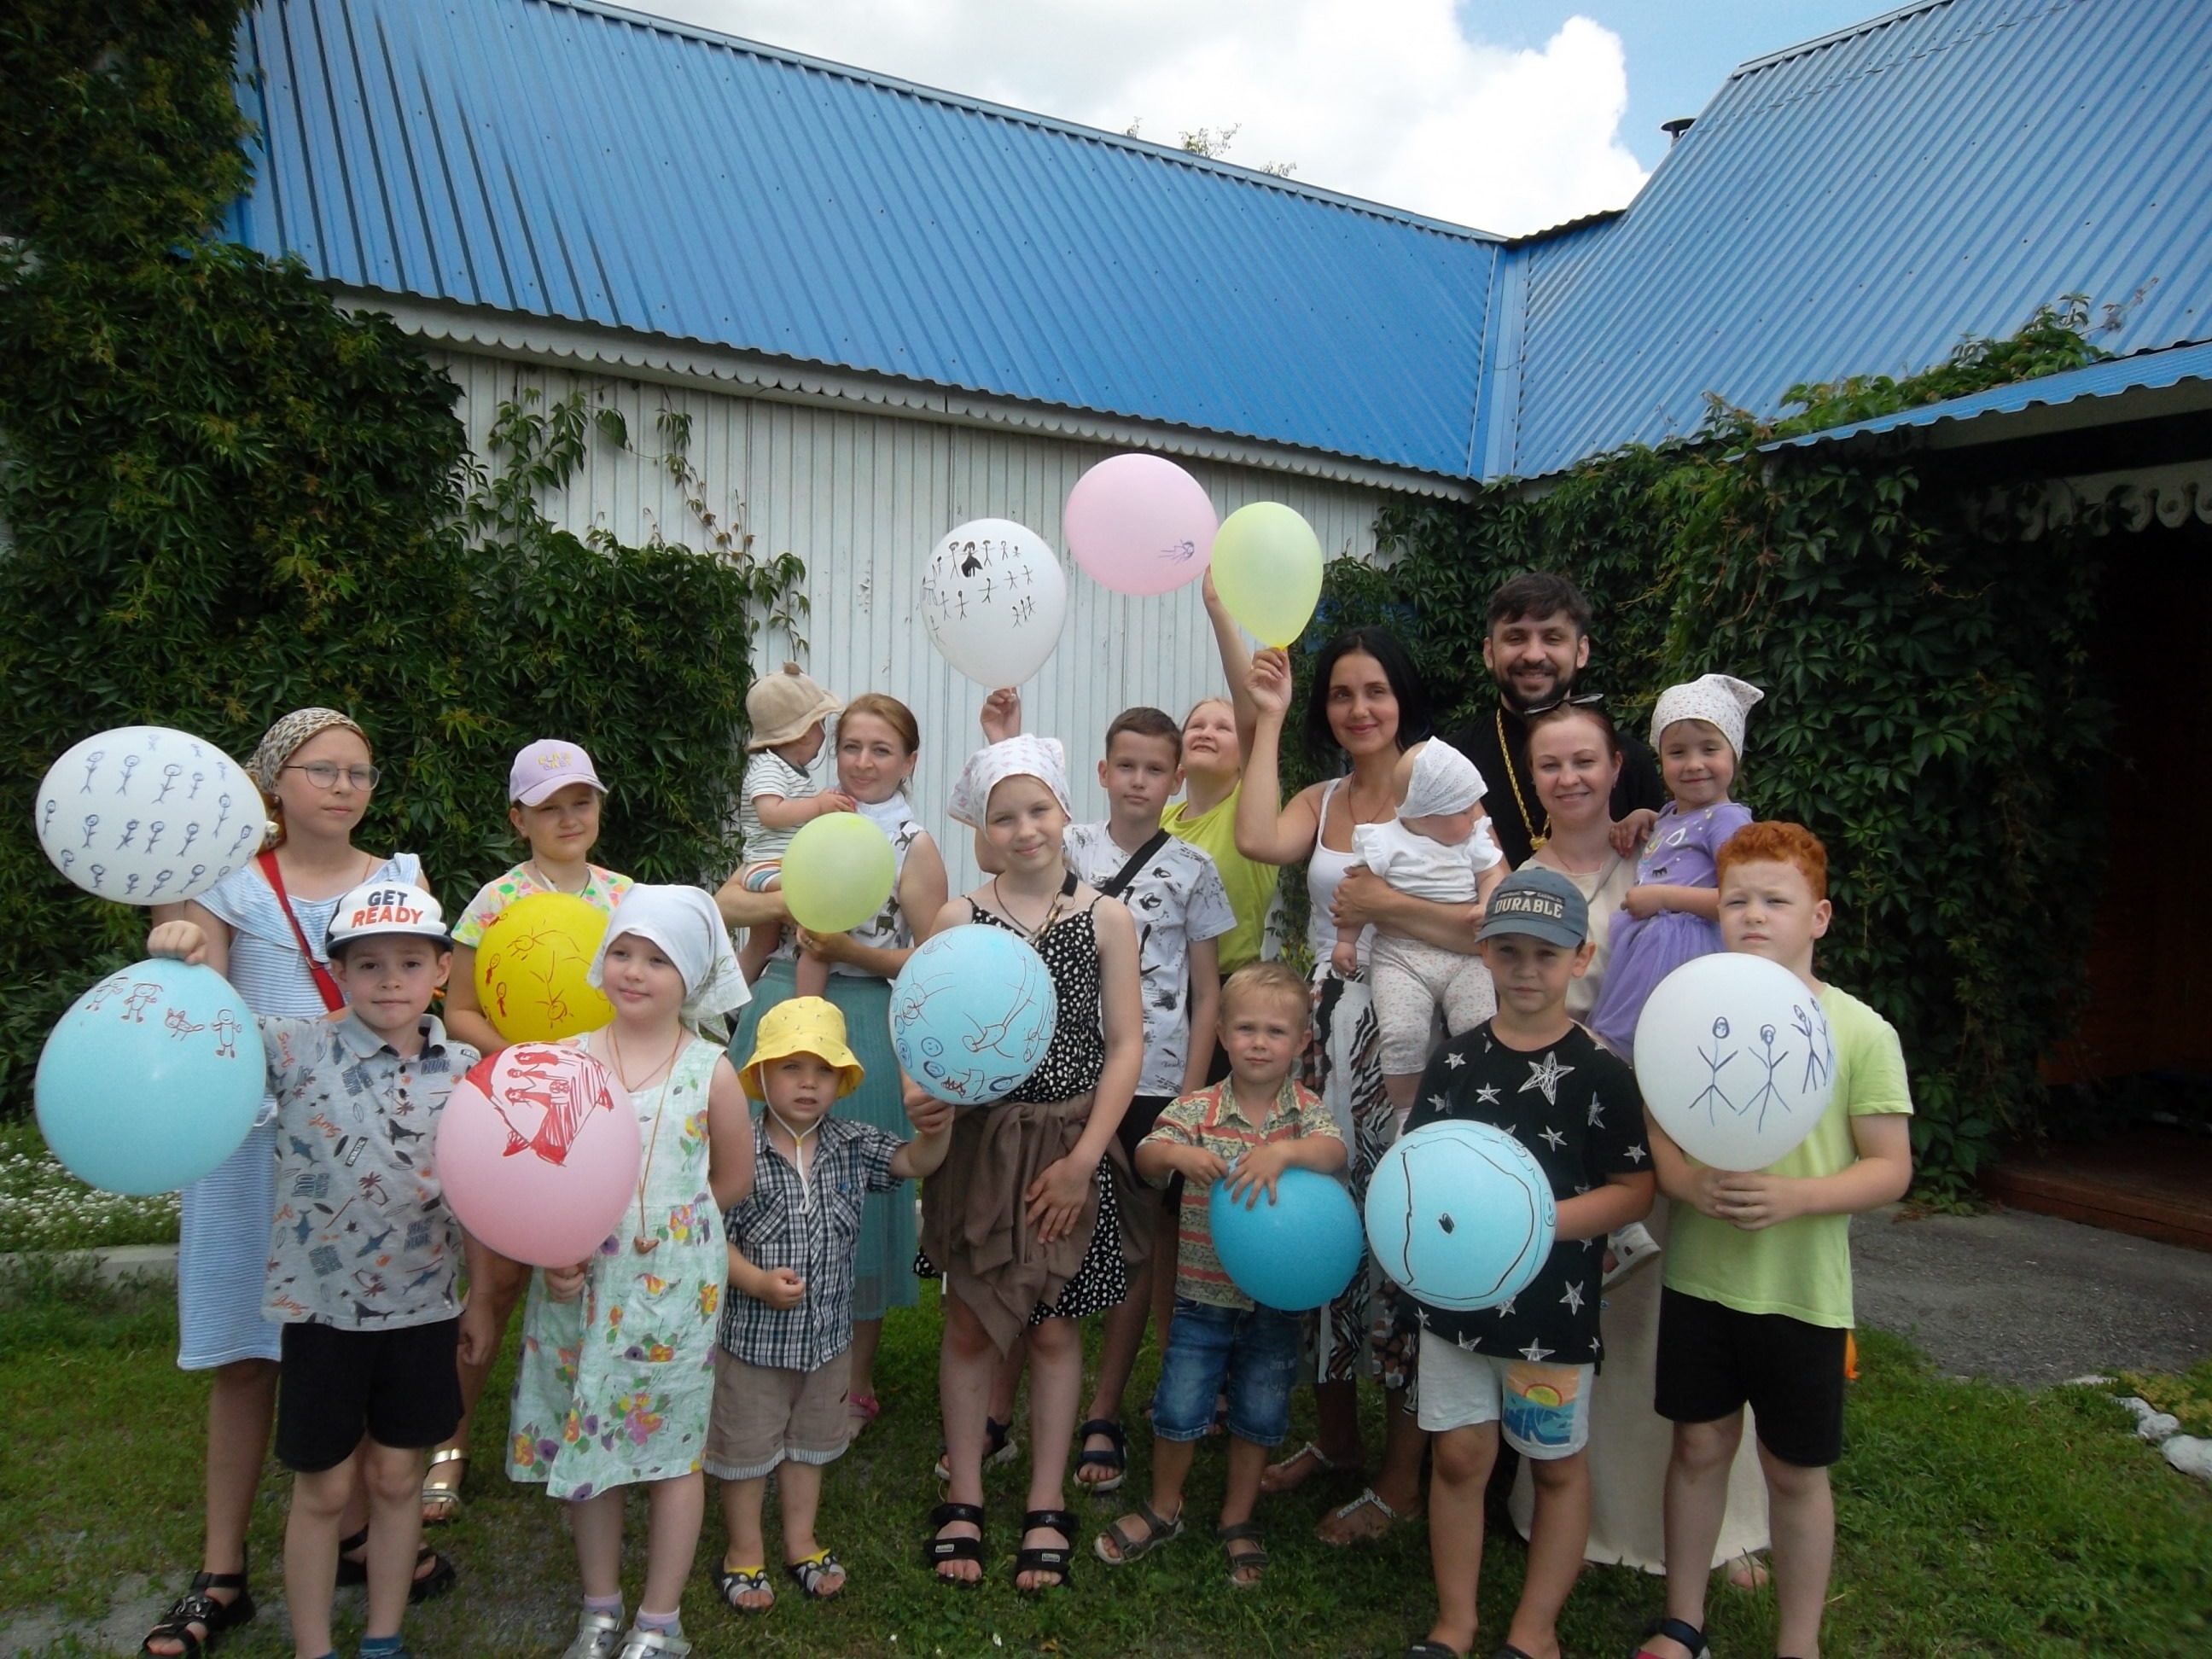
[
  {"x": 596, "y": 1635},
  {"x": 646, "y": 1643}
]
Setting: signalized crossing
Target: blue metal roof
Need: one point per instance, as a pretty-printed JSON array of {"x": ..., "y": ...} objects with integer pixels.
[
  {"x": 572, "y": 161},
  {"x": 1856, "y": 204},
  {"x": 2148, "y": 371}
]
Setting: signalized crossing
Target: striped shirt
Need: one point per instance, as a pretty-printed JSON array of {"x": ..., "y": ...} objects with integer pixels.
[{"x": 1210, "y": 1118}]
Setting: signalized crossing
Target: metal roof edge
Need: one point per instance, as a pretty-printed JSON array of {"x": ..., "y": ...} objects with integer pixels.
[
  {"x": 2158, "y": 369},
  {"x": 963, "y": 101},
  {"x": 758, "y": 375},
  {"x": 1865, "y": 26}
]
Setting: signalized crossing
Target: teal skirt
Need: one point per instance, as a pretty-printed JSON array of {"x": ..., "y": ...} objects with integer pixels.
[{"x": 883, "y": 1263}]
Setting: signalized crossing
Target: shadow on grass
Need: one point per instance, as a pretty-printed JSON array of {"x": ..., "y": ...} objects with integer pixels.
[{"x": 1972, "y": 1519}]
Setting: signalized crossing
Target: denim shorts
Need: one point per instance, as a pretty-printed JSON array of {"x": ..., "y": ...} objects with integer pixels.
[{"x": 1251, "y": 1353}]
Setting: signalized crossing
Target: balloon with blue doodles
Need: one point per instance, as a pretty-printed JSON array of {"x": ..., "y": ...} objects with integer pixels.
[
  {"x": 1461, "y": 1215},
  {"x": 972, "y": 1014},
  {"x": 1741, "y": 1063},
  {"x": 147, "y": 815},
  {"x": 1297, "y": 1253},
  {"x": 152, "y": 1079}
]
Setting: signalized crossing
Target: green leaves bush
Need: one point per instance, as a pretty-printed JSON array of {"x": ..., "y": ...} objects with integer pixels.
[
  {"x": 224, "y": 498},
  {"x": 1929, "y": 710}
]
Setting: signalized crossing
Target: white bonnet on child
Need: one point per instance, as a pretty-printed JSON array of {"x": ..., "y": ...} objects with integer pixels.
[
  {"x": 1021, "y": 756},
  {"x": 1443, "y": 782},
  {"x": 1720, "y": 699},
  {"x": 684, "y": 923}
]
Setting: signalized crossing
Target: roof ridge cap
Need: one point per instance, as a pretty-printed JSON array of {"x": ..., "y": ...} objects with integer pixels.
[{"x": 1052, "y": 123}]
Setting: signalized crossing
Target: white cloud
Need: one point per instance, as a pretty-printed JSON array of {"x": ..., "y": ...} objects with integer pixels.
[{"x": 1383, "y": 99}]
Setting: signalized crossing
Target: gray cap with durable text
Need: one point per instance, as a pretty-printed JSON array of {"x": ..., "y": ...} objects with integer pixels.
[{"x": 1540, "y": 902}]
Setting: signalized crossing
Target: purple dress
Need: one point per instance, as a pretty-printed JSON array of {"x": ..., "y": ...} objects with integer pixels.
[{"x": 1680, "y": 853}]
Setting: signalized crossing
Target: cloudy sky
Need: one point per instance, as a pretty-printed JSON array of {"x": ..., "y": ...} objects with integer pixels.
[{"x": 1506, "y": 114}]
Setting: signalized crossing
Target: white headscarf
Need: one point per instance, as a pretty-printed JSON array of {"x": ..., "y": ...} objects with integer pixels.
[
  {"x": 1019, "y": 756},
  {"x": 1443, "y": 782},
  {"x": 1719, "y": 698},
  {"x": 684, "y": 923}
]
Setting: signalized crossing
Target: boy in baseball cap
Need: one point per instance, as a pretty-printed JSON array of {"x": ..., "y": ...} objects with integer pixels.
[
  {"x": 362, "y": 1250},
  {"x": 1523, "y": 1369}
]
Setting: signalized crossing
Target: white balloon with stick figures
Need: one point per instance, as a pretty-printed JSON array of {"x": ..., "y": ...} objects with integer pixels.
[
  {"x": 147, "y": 815},
  {"x": 1735, "y": 1060},
  {"x": 1459, "y": 1214},
  {"x": 994, "y": 598}
]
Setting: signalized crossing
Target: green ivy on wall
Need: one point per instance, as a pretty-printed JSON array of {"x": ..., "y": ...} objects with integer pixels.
[
  {"x": 222, "y": 498},
  {"x": 1929, "y": 713}
]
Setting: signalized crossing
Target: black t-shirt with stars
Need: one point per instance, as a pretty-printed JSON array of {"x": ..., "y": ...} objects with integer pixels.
[{"x": 1576, "y": 1108}]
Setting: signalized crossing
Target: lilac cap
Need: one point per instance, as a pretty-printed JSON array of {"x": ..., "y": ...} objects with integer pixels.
[{"x": 547, "y": 765}]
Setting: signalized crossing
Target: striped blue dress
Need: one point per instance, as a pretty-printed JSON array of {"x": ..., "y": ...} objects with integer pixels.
[{"x": 222, "y": 1253}]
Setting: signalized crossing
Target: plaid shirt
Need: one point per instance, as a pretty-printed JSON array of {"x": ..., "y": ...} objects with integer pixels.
[
  {"x": 811, "y": 1228},
  {"x": 1211, "y": 1118}
]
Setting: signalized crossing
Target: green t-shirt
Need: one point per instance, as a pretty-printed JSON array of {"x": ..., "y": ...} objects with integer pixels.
[
  {"x": 1803, "y": 1268},
  {"x": 1251, "y": 885}
]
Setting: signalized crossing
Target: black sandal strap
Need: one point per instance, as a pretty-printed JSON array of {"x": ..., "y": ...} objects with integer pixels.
[
  {"x": 1230, "y": 1534},
  {"x": 1058, "y": 1521},
  {"x": 946, "y": 1514},
  {"x": 1675, "y": 1630}
]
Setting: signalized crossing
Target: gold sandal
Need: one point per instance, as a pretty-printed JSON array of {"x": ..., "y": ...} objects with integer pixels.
[{"x": 448, "y": 1496}]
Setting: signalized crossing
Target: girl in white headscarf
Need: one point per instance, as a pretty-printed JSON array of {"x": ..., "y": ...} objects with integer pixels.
[
  {"x": 1673, "y": 913},
  {"x": 616, "y": 1373},
  {"x": 1440, "y": 846},
  {"x": 1021, "y": 1220}
]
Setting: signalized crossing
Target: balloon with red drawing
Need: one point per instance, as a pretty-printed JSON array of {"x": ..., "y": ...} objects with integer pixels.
[{"x": 537, "y": 1150}]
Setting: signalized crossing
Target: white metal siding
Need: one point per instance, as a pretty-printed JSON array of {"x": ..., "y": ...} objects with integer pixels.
[{"x": 862, "y": 499}]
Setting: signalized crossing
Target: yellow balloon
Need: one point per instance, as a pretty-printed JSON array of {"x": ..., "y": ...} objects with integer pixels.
[
  {"x": 1267, "y": 568},
  {"x": 530, "y": 964},
  {"x": 837, "y": 873}
]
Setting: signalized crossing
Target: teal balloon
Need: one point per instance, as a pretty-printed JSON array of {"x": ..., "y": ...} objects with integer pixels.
[
  {"x": 152, "y": 1079},
  {"x": 1298, "y": 1252},
  {"x": 972, "y": 1014},
  {"x": 1460, "y": 1215}
]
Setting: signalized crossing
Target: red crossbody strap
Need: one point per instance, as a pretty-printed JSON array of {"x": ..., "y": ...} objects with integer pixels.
[{"x": 333, "y": 999}]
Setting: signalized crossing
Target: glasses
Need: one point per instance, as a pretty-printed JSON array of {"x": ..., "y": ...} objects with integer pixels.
[
  {"x": 324, "y": 775},
  {"x": 1576, "y": 700}
]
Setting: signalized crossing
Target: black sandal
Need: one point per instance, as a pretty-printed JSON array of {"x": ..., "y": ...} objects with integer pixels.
[
  {"x": 1046, "y": 1557},
  {"x": 998, "y": 1448},
  {"x": 1253, "y": 1560},
  {"x": 1675, "y": 1631},
  {"x": 1115, "y": 1457},
  {"x": 427, "y": 1587},
  {"x": 197, "y": 1606},
  {"x": 938, "y": 1551}
]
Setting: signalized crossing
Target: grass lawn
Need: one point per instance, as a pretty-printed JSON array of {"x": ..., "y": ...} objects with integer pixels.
[
  {"x": 44, "y": 1208},
  {"x": 1973, "y": 1519}
]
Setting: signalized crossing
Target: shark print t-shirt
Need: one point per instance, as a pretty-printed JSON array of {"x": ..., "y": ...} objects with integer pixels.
[
  {"x": 1577, "y": 1110},
  {"x": 362, "y": 1237},
  {"x": 1176, "y": 898}
]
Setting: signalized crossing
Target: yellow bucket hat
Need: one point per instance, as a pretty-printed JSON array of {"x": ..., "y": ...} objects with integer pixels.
[{"x": 802, "y": 1026}]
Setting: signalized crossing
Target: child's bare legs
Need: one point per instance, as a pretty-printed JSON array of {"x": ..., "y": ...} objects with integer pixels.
[
  {"x": 1397, "y": 1483},
  {"x": 393, "y": 1476},
  {"x": 1696, "y": 1506},
  {"x": 761, "y": 942},
  {"x": 1006, "y": 1380},
  {"x": 1172, "y": 1461},
  {"x": 1125, "y": 1331},
  {"x": 1402, "y": 1087},
  {"x": 241, "y": 1407},
  {"x": 503, "y": 1293},
  {"x": 677, "y": 1505},
  {"x": 1248, "y": 1462},
  {"x": 1456, "y": 1483},
  {"x": 748, "y": 1547},
  {"x": 867, "y": 1337},
  {"x": 1801, "y": 1520},
  {"x": 1056, "y": 1389},
  {"x": 965, "y": 1361},
  {"x": 798, "y": 1501},
  {"x": 1558, "y": 1535}
]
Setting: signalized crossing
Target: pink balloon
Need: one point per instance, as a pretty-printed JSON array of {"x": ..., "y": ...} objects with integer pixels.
[
  {"x": 537, "y": 1149},
  {"x": 1140, "y": 525}
]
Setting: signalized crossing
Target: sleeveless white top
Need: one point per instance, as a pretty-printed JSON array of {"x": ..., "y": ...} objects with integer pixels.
[{"x": 1325, "y": 870}]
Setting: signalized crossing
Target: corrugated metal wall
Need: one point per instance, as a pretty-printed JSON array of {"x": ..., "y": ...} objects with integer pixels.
[{"x": 861, "y": 499}]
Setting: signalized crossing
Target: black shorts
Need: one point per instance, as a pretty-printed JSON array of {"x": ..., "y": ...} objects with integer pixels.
[
  {"x": 400, "y": 1387},
  {"x": 1713, "y": 1360}
]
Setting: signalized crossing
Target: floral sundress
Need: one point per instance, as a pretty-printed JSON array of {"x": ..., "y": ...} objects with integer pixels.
[{"x": 614, "y": 1388}]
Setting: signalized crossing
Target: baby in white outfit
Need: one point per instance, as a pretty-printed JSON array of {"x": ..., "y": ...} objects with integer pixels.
[{"x": 1439, "y": 847}]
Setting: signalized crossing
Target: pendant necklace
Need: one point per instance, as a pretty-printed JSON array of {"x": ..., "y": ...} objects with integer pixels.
[
  {"x": 642, "y": 1242},
  {"x": 538, "y": 875},
  {"x": 1536, "y": 838},
  {"x": 1052, "y": 911}
]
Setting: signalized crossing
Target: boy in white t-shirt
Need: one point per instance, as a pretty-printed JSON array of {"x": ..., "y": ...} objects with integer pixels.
[
  {"x": 787, "y": 713},
  {"x": 1439, "y": 847}
]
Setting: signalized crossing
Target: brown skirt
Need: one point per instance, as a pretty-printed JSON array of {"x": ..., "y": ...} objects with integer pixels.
[{"x": 973, "y": 1228}]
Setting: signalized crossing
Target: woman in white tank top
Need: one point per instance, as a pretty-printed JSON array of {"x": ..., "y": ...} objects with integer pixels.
[{"x": 1367, "y": 703}]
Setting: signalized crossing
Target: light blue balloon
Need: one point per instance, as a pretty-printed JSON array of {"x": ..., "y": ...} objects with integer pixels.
[
  {"x": 151, "y": 1080},
  {"x": 972, "y": 1014},
  {"x": 1461, "y": 1214},
  {"x": 1298, "y": 1252}
]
